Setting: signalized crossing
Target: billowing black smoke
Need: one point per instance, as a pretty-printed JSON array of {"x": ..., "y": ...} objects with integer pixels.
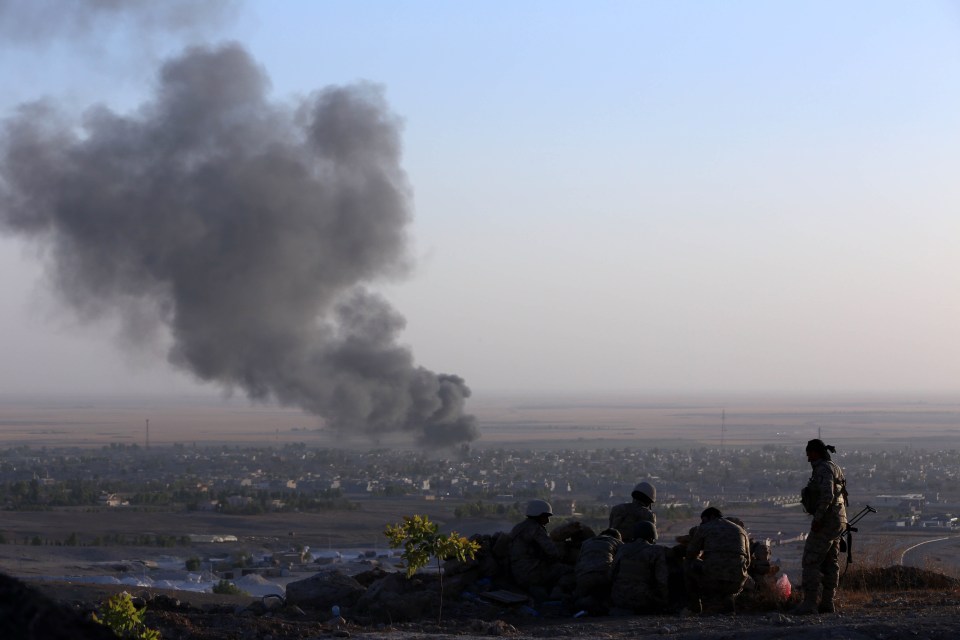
[
  {"x": 248, "y": 228},
  {"x": 45, "y": 21}
]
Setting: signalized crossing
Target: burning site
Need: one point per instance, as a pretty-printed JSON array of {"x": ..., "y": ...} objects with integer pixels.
[{"x": 249, "y": 233}]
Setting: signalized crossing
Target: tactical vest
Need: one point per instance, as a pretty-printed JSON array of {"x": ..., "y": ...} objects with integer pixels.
[{"x": 810, "y": 494}]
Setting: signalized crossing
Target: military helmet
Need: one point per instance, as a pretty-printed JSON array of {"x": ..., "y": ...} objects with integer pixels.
[
  {"x": 539, "y": 508},
  {"x": 646, "y": 489},
  {"x": 644, "y": 530}
]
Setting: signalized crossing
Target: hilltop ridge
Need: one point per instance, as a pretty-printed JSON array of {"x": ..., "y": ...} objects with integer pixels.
[{"x": 913, "y": 613}]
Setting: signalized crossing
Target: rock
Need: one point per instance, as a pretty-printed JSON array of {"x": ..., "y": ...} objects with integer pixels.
[
  {"x": 780, "y": 619},
  {"x": 26, "y": 613},
  {"x": 397, "y": 598},
  {"x": 324, "y": 590},
  {"x": 499, "y": 628},
  {"x": 257, "y": 607},
  {"x": 367, "y": 578}
]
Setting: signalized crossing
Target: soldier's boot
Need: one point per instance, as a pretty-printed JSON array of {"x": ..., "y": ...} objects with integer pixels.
[
  {"x": 808, "y": 606},
  {"x": 826, "y": 602}
]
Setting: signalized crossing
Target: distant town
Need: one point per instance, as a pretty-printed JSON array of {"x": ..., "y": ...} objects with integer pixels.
[{"x": 912, "y": 488}]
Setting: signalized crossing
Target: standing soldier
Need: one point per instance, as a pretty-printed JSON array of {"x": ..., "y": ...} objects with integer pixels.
[
  {"x": 625, "y": 517},
  {"x": 640, "y": 573},
  {"x": 717, "y": 559},
  {"x": 825, "y": 498}
]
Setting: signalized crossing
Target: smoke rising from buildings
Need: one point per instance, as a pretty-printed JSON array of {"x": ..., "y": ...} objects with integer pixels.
[{"x": 248, "y": 228}]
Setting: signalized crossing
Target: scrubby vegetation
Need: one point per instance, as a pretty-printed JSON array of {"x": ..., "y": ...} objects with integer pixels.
[
  {"x": 227, "y": 588},
  {"x": 121, "y": 616}
]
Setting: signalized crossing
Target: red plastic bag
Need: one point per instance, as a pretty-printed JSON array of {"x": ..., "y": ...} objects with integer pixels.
[{"x": 783, "y": 587}]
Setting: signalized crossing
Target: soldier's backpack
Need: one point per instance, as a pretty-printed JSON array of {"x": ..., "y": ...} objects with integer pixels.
[{"x": 810, "y": 495}]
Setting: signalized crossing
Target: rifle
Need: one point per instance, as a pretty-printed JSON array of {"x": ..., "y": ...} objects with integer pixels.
[{"x": 849, "y": 530}]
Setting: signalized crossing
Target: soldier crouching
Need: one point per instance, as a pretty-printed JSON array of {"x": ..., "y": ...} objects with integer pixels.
[
  {"x": 640, "y": 574},
  {"x": 534, "y": 558},
  {"x": 593, "y": 572},
  {"x": 716, "y": 566}
]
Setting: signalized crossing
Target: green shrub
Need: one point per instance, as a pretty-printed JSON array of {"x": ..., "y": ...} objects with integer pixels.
[
  {"x": 227, "y": 588},
  {"x": 193, "y": 564},
  {"x": 120, "y": 616},
  {"x": 421, "y": 539}
]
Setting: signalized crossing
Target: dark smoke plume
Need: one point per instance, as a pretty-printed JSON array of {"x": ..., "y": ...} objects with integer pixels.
[
  {"x": 42, "y": 21},
  {"x": 246, "y": 227}
]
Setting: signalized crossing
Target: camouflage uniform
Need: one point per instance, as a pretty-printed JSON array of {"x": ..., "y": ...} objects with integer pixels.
[
  {"x": 722, "y": 570},
  {"x": 822, "y": 548},
  {"x": 640, "y": 577},
  {"x": 593, "y": 565},
  {"x": 534, "y": 558},
  {"x": 624, "y": 518}
]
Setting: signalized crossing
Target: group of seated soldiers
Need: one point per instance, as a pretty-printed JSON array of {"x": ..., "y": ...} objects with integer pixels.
[{"x": 622, "y": 568}]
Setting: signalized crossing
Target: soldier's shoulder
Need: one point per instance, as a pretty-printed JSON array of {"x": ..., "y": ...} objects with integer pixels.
[{"x": 521, "y": 526}]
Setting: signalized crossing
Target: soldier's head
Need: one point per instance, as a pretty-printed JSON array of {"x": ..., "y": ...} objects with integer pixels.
[
  {"x": 539, "y": 510},
  {"x": 644, "y": 530},
  {"x": 710, "y": 513},
  {"x": 685, "y": 540},
  {"x": 818, "y": 450},
  {"x": 645, "y": 493},
  {"x": 613, "y": 533}
]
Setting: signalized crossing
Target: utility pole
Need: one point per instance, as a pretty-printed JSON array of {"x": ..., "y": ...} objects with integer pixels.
[
  {"x": 723, "y": 428},
  {"x": 148, "y": 434}
]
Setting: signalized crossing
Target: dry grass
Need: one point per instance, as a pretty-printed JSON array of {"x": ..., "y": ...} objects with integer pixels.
[{"x": 877, "y": 568}]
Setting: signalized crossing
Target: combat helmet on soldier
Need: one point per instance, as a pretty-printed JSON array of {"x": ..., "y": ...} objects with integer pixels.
[
  {"x": 537, "y": 508},
  {"x": 644, "y": 530},
  {"x": 624, "y": 517},
  {"x": 644, "y": 492}
]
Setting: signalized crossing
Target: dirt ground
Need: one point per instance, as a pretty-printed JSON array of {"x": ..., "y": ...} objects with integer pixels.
[{"x": 888, "y": 615}]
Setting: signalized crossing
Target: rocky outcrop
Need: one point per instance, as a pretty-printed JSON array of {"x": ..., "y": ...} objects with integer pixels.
[
  {"x": 27, "y": 614},
  {"x": 325, "y": 590}
]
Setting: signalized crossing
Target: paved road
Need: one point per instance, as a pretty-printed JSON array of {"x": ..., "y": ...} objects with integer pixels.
[{"x": 941, "y": 554}]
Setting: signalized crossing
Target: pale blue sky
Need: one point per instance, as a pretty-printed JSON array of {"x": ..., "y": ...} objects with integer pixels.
[{"x": 609, "y": 196}]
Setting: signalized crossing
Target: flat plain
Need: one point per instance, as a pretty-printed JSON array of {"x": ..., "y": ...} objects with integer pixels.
[{"x": 515, "y": 421}]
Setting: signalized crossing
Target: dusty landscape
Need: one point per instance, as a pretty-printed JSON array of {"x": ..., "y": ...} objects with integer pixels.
[
  {"x": 857, "y": 421},
  {"x": 876, "y": 612}
]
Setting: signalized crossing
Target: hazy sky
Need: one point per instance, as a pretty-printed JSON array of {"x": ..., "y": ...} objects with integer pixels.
[{"x": 608, "y": 196}]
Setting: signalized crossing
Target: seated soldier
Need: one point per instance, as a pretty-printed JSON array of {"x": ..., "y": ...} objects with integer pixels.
[
  {"x": 624, "y": 517},
  {"x": 717, "y": 559},
  {"x": 534, "y": 558},
  {"x": 640, "y": 574},
  {"x": 568, "y": 537},
  {"x": 676, "y": 562},
  {"x": 593, "y": 572}
]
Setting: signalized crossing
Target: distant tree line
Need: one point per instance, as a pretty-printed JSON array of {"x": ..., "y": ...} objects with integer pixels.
[{"x": 32, "y": 495}]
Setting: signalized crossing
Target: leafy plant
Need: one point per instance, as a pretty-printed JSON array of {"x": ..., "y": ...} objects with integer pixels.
[
  {"x": 227, "y": 588},
  {"x": 121, "y": 616},
  {"x": 421, "y": 539}
]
